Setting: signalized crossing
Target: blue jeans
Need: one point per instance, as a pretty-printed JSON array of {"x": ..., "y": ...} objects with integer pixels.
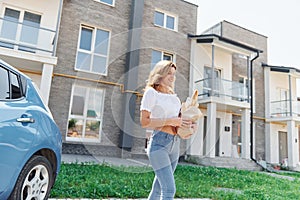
[{"x": 163, "y": 152}]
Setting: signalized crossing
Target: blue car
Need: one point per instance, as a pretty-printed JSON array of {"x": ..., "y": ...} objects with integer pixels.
[{"x": 30, "y": 141}]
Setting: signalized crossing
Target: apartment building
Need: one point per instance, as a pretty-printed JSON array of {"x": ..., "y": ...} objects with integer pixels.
[
  {"x": 106, "y": 50},
  {"x": 91, "y": 58},
  {"x": 28, "y": 38},
  {"x": 282, "y": 108},
  {"x": 225, "y": 63}
]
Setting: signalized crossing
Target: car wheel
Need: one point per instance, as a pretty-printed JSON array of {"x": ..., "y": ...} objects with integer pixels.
[{"x": 34, "y": 181}]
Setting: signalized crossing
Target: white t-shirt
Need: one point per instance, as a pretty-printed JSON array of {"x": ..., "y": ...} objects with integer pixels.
[{"x": 160, "y": 105}]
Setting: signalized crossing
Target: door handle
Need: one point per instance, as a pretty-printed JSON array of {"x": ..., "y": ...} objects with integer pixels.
[{"x": 26, "y": 120}]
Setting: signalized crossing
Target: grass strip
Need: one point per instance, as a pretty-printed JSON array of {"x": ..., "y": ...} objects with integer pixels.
[{"x": 88, "y": 180}]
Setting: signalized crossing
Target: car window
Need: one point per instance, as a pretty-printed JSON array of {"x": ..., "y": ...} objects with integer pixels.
[
  {"x": 4, "y": 84},
  {"x": 15, "y": 86},
  {"x": 24, "y": 85}
]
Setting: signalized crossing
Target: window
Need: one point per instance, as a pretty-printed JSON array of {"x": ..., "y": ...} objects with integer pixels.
[
  {"x": 4, "y": 84},
  {"x": 10, "y": 85},
  {"x": 10, "y": 26},
  {"x": 92, "y": 53},
  {"x": 207, "y": 81},
  {"x": 243, "y": 89},
  {"x": 20, "y": 27},
  {"x": 15, "y": 88},
  {"x": 165, "y": 20},
  {"x": 30, "y": 29},
  {"x": 86, "y": 110},
  {"x": 238, "y": 138},
  {"x": 109, "y": 2},
  {"x": 244, "y": 92},
  {"x": 160, "y": 55}
]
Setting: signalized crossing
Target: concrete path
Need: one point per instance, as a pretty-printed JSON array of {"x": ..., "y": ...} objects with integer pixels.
[{"x": 72, "y": 158}]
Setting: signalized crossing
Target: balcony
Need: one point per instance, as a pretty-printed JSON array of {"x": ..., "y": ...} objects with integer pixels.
[
  {"x": 231, "y": 94},
  {"x": 26, "y": 37},
  {"x": 285, "y": 108},
  {"x": 222, "y": 88}
]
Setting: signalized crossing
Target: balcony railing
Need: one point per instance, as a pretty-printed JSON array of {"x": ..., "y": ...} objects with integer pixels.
[
  {"x": 285, "y": 108},
  {"x": 222, "y": 88},
  {"x": 26, "y": 37}
]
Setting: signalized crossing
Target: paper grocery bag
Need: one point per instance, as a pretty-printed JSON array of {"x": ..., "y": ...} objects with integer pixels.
[{"x": 189, "y": 110}]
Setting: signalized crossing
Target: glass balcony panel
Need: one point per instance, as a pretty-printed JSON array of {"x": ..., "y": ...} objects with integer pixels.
[
  {"x": 29, "y": 34},
  {"x": 296, "y": 108},
  {"x": 222, "y": 88},
  {"x": 30, "y": 28},
  {"x": 26, "y": 37},
  {"x": 282, "y": 108},
  {"x": 9, "y": 30}
]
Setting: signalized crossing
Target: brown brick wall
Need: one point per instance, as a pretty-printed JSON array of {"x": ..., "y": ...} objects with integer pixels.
[
  {"x": 116, "y": 19},
  {"x": 258, "y": 41}
]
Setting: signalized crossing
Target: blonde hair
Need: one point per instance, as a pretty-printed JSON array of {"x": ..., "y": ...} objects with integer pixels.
[{"x": 160, "y": 70}]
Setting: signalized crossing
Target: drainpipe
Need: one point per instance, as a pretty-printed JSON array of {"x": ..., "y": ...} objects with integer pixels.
[{"x": 251, "y": 106}]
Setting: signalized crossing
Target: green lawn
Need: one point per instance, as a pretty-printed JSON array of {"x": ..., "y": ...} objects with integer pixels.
[{"x": 103, "y": 181}]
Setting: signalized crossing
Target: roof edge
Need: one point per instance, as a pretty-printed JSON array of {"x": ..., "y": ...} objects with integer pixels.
[
  {"x": 190, "y": 3},
  {"x": 280, "y": 68},
  {"x": 227, "y": 40}
]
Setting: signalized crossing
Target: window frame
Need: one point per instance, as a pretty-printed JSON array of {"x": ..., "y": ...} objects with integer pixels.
[
  {"x": 244, "y": 95},
  {"x": 7, "y": 85},
  {"x": 21, "y": 81},
  {"x": 20, "y": 88},
  {"x": 92, "y": 51},
  {"x": 163, "y": 53},
  {"x": 84, "y": 117},
  {"x": 112, "y": 5},
  {"x": 253, "y": 94},
  {"x": 166, "y": 15},
  {"x": 207, "y": 87}
]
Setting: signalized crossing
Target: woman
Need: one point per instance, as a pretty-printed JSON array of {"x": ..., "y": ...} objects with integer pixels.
[{"x": 159, "y": 111}]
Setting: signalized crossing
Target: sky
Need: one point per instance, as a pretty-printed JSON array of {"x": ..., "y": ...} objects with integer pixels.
[{"x": 276, "y": 19}]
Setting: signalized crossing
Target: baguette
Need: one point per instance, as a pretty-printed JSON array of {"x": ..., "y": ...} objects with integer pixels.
[{"x": 194, "y": 98}]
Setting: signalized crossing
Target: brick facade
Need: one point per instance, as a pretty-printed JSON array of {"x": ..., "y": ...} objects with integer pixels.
[
  {"x": 258, "y": 41},
  {"x": 116, "y": 19}
]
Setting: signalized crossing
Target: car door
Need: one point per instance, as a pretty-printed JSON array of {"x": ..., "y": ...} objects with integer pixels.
[{"x": 17, "y": 127}]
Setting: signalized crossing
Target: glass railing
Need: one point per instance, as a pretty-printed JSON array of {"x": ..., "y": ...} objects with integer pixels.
[
  {"x": 284, "y": 108},
  {"x": 222, "y": 88},
  {"x": 217, "y": 29},
  {"x": 26, "y": 37}
]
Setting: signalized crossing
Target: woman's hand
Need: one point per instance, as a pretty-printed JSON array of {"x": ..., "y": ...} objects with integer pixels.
[
  {"x": 186, "y": 123},
  {"x": 148, "y": 122},
  {"x": 194, "y": 126}
]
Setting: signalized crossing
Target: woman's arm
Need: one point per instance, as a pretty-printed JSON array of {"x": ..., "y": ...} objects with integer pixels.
[{"x": 147, "y": 122}]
